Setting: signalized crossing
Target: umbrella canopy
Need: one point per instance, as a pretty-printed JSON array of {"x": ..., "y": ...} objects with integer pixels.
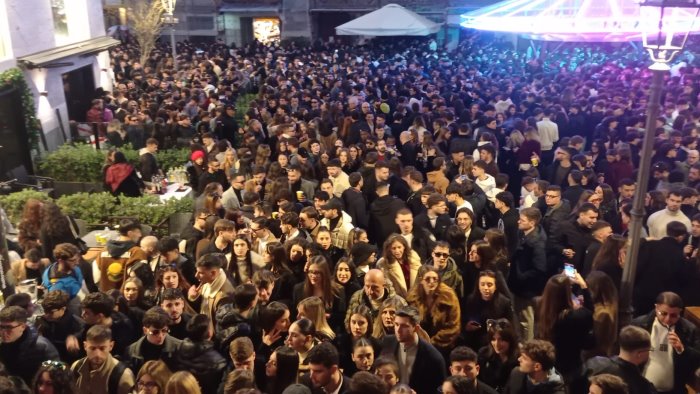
[{"x": 390, "y": 20}]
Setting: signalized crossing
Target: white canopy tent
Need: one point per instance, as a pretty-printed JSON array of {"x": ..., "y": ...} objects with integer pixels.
[{"x": 390, "y": 20}]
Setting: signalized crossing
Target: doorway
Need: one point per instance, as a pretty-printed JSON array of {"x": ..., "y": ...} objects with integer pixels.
[
  {"x": 14, "y": 142},
  {"x": 79, "y": 89}
]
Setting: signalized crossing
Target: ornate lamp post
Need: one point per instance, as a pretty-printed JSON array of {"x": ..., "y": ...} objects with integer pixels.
[
  {"x": 170, "y": 20},
  {"x": 665, "y": 25}
]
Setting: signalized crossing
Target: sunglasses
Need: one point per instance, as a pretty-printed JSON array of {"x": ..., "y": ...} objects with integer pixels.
[
  {"x": 442, "y": 255},
  {"x": 157, "y": 331},
  {"x": 51, "y": 364},
  {"x": 497, "y": 323}
]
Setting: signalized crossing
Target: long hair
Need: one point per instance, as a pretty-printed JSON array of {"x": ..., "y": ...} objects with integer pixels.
[
  {"x": 279, "y": 264},
  {"x": 392, "y": 302},
  {"x": 508, "y": 334},
  {"x": 476, "y": 294},
  {"x": 364, "y": 311},
  {"x": 418, "y": 292},
  {"x": 554, "y": 304},
  {"x": 497, "y": 239},
  {"x": 54, "y": 223},
  {"x": 182, "y": 283},
  {"x": 609, "y": 253},
  {"x": 158, "y": 371},
  {"x": 388, "y": 256},
  {"x": 487, "y": 255},
  {"x": 329, "y": 288},
  {"x": 233, "y": 265},
  {"x": 315, "y": 310},
  {"x": 139, "y": 285},
  {"x": 287, "y": 370},
  {"x": 62, "y": 378},
  {"x": 182, "y": 382}
]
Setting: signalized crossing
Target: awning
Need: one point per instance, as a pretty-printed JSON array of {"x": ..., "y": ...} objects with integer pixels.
[
  {"x": 54, "y": 57},
  {"x": 390, "y": 20}
]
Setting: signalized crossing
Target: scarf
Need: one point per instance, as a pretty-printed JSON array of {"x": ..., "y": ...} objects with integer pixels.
[{"x": 116, "y": 173}]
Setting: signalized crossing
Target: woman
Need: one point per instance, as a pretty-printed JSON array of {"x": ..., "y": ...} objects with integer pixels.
[
  {"x": 605, "y": 312},
  {"x": 363, "y": 354},
  {"x": 565, "y": 322},
  {"x": 65, "y": 274},
  {"x": 608, "y": 207},
  {"x": 500, "y": 356},
  {"x": 355, "y": 158},
  {"x": 611, "y": 258},
  {"x": 345, "y": 274},
  {"x": 313, "y": 309},
  {"x": 318, "y": 282},
  {"x": 497, "y": 241},
  {"x": 282, "y": 369},
  {"x": 384, "y": 324},
  {"x": 296, "y": 256},
  {"x": 400, "y": 264},
  {"x": 344, "y": 157},
  {"x": 55, "y": 229},
  {"x": 359, "y": 326},
  {"x": 598, "y": 153},
  {"x": 213, "y": 205},
  {"x": 302, "y": 338},
  {"x": 122, "y": 179},
  {"x": 275, "y": 259},
  {"x": 133, "y": 291},
  {"x": 273, "y": 321},
  {"x": 30, "y": 225},
  {"x": 388, "y": 370},
  {"x": 169, "y": 277},
  {"x": 438, "y": 306},
  {"x": 196, "y": 167},
  {"x": 482, "y": 257},
  {"x": 357, "y": 234},
  {"x": 243, "y": 262},
  {"x": 230, "y": 161},
  {"x": 54, "y": 377},
  {"x": 153, "y": 377},
  {"x": 182, "y": 382},
  {"x": 331, "y": 252},
  {"x": 485, "y": 303}
]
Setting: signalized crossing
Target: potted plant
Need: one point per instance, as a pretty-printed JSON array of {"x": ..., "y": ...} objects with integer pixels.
[{"x": 74, "y": 168}]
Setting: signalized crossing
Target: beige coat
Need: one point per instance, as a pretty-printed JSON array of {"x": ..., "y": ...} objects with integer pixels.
[{"x": 393, "y": 273}]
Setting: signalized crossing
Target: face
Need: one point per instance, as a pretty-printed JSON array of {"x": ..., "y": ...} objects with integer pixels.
[
  {"x": 382, "y": 174},
  {"x": 282, "y": 324},
  {"x": 468, "y": 369},
  {"x": 363, "y": 357},
  {"x": 464, "y": 221},
  {"x": 296, "y": 340},
  {"x": 170, "y": 280},
  {"x": 487, "y": 287},
  {"x": 321, "y": 375},
  {"x": 343, "y": 273},
  {"x": 626, "y": 191},
  {"x": 131, "y": 291},
  {"x": 673, "y": 202},
  {"x": 440, "y": 256},
  {"x": 174, "y": 308},
  {"x": 387, "y": 374},
  {"x": 324, "y": 239},
  {"x": 588, "y": 218},
  {"x": 527, "y": 365},
  {"x": 97, "y": 352},
  {"x": 45, "y": 384},
  {"x": 430, "y": 281},
  {"x": 404, "y": 329},
  {"x": 315, "y": 274},
  {"x": 473, "y": 255},
  {"x": 205, "y": 275},
  {"x": 405, "y": 223},
  {"x": 552, "y": 198},
  {"x": 11, "y": 331},
  {"x": 246, "y": 364},
  {"x": 440, "y": 208},
  {"x": 147, "y": 384},
  {"x": 397, "y": 250},
  {"x": 358, "y": 325},
  {"x": 155, "y": 335},
  {"x": 296, "y": 253},
  {"x": 90, "y": 317},
  {"x": 271, "y": 366},
  {"x": 240, "y": 248},
  {"x": 668, "y": 316},
  {"x": 327, "y": 187}
]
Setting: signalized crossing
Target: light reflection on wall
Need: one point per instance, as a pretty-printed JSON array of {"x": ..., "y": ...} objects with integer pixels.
[{"x": 266, "y": 30}]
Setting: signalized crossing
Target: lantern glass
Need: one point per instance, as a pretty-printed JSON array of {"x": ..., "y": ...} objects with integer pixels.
[{"x": 665, "y": 26}]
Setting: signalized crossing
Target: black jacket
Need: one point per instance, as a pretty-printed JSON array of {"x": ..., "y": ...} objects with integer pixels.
[
  {"x": 148, "y": 166},
  {"x": 519, "y": 383},
  {"x": 510, "y": 228},
  {"x": 356, "y": 206},
  {"x": 441, "y": 224},
  {"x": 428, "y": 370},
  {"x": 422, "y": 242},
  {"x": 659, "y": 268},
  {"x": 629, "y": 372},
  {"x": 571, "y": 235},
  {"x": 205, "y": 363},
  {"x": 24, "y": 356},
  {"x": 528, "y": 270},
  {"x": 57, "y": 332},
  {"x": 134, "y": 358},
  {"x": 382, "y": 215}
]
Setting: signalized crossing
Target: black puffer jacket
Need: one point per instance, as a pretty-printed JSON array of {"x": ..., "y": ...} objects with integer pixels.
[
  {"x": 204, "y": 362},
  {"x": 230, "y": 324},
  {"x": 24, "y": 356}
]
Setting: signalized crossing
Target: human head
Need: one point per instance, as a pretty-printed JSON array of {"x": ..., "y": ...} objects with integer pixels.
[
  {"x": 463, "y": 362},
  {"x": 406, "y": 323},
  {"x": 54, "y": 304},
  {"x": 208, "y": 267},
  {"x": 323, "y": 363},
  {"x": 607, "y": 384},
  {"x": 242, "y": 353},
  {"x": 529, "y": 219},
  {"x": 153, "y": 377},
  {"x": 13, "y": 323},
  {"x": 635, "y": 344},
  {"x": 668, "y": 308},
  {"x": 97, "y": 307},
  {"x": 182, "y": 382},
  {"x": 387, "y": 369},
  {"x": 173, "y": 303},
  {"x": 155, "y": 325},
  {"x": 98, "y": 345},
  {"x": 54, "y": 377},
  {"x": 536, "y": 356},
  {"x": 374, "y": 284},
  {"x": 301, "y": 334},
  {"x": 587, "y": 215}
]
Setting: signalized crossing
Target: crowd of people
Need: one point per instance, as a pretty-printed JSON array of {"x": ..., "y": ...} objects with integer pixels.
[{"x": 385, "y": 218}]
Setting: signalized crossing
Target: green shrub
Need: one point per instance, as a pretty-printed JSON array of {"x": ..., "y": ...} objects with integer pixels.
[
  {"x": 74, "y": 163},
  {"x": 13, "y": 204},
  {"x": 170, "y": 158},
  {"x": 94, "y": 208}
]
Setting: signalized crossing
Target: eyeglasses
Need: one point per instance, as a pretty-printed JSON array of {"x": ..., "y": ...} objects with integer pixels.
[
  {"x": 147, "y": 385},
  {"x": 441, "y": 255},
  {"x": 52, "y": 364},
  {"x": 158, "y": 331},
  {"x": 551, "y": 196},
  {"x": 7, "y": 327}
]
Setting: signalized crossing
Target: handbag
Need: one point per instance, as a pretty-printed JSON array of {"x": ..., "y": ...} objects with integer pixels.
[{"x": 82, "y": 245}]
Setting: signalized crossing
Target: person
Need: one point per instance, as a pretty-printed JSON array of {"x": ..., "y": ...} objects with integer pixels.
[
  {"x": 498, "y": 358},
  {"x": 59, "y": 325},
  {"x": 148, "y": 164},
  {"x": 182, "y": 382},
  {"x": 173, "y": 303},
  {"x": 314, "y": 309},
  {"x": 600, "y": 231},
  {"x": 54, "y": 377},
  {"x": 675, "y": 343},
  {"x": 302, "y": 338},
  {"x": 22, "y": 349},
  {"x": 32, "y": 266},
  {"x": 355, "y": 201},
  {"x": 169, "y": 277},
  {"x": 635, "y": 346},
  {"x": 346, "y": 274},
  {"x": 611, "y": 257},
  {"x": 64, "y": 274},
  {"x": 338, "y": 223},
  {"x": 366, "y": 382},
  {"x": 197, "y": 354},
  {"x": 136, "y": 302},
  {"x": 574, "y": 236},
  {"x": 324, "y": 373},
  {"x": 487, "y": 303},
  {"x": 387, "y": 369},
  {"x": 99, "y": 309},
  {"x": 605, "y": 313},
  {"x": 152, "y": 377},
  {"x": 421, "y": 365},
  {"x": 319, "y": 283},
  {"x": 169, "y": 253},
  {"x": 243, "y": 262},
  {"x": 457, "y": 384},
  {"x": 438, "y": 307},
  {"x": 464, "y": 362},
  {"x": 55, "y": 229},
  {"x": 99, "y": 371},
  {"x": 657, "y": 221},
  {"x": 607, "y": 384},
  {"x": 400, "y": 264},
  {"x": 155, "y": 344},
  {"x": 435, "y": 219},
  {"x": 536, "y": 370},
  {"x": 447, "y": 268},
  {"x": 30, "y": 225},
  {"x": 281, "y": 370},
  {"x": 214, "y": 285},
  {"x": 382, "y": 214},
  {"x": 122, "y": 179},
  {"x": 508, "y": 219},
  {"x": 112, "y": 265},
  {"x": 420, "y": 239}
]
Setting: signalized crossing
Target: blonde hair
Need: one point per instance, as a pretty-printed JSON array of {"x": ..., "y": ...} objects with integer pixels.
[
  {"x": 316, "y": 312},
  {"x": 158, "y": 371},
  {"x": 182, "y": 382}
]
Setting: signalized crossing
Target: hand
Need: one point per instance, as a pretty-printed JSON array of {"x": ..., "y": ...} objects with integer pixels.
[
  {"x": 271, "y": 337},
  {"x": 568, "y": 253},
  {"x": 578, "y": 279},
  {"x": 72, "y": 344},
  {"x": 675, "y": 342},
  {"x": 193, "y": 292},
  {"x": 472, "y": 326},
  {"x": 688, "y": 249}
]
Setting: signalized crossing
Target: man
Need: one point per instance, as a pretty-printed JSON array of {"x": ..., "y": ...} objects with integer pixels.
[
  {"x": 233, "y": 196},
  {"x": 155, "y": 344},
  {"x": 382, "y": 214},
  {"x": 355, "y": 201},
  {"x": 298, "y": 184},
  {"x": 414, "y": 179},
  {"x": 558, "y": 211},
  {"x": 528, "y": 268},
  {"x": 675, "y": 345},
  {"x": 465, "y": 220},
  {"x": 694, "y": 175},
  {"x": 148, "y": 164},
  {"x": 289, "y": 223},
  {"x": 559, "y": 171},
  {"x": 549, "y": 134},
  {"x": 574, "y": 190},
  {"x": 508, "y": 220},
  {"x": 169, "y": 250},
  {"x": 464, "y": 362},
  {"x": 420, "y": 239},
  {"x": 334, "y": 220},
  {"x": 437, "y": 178},
  {"x": 372, "y": 182},
  {"x": 371, "y": 295},
  {"x": 340, "y": 179},
  {"x": 309, "y": 220},
  {"x": 626, "y": 189},
  {"x": 600, "y": 231},
  {"x": 487, "y": 154},
  {"x": 110, "y": 267},
  {"x": 59, "y": 325},
  {"x": 214, "y": 173},
  {"x": 574, "y": 237},
  {"x": 535, "y": 372},
  {"x": 455, "y": 196},
  {"x": 421, "y": 366},
  {"x": 261, "y": 234},
  {"x": 193, "y": 233},
  {"x": 324, "y": 374},
  {"x": 658, "y": 220},
  {"x": 447, "y": 267},
  {"x": 98, "y": 310},
  {"x": 661, "y": 266},
  {"x": 99, "y": 372},
  {"x": 198, "y": 356},
  {"x": 214, "y": 285},
  {"x": 224, "y": 234},
  {"x": 635, "y": 348},
  {"x": 172, "y": 301},
  {"x": 435, "y": 218},
  {"x": 226, "y": 125},
  {"x": 482, "y": 179},
  {"x": 22, "y": 350}
]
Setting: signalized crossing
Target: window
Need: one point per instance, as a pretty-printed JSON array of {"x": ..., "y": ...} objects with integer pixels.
[
  {"x": 200, "y": 22},
  {"x": 60, "y": 19}
]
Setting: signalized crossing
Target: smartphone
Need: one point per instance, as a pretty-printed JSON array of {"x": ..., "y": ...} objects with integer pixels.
[{"x": 569, "y": 270}]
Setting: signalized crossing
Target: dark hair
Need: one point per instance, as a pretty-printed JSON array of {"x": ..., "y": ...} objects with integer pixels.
[
  {"x": 172, "y": 294},
  {"x": 167, "y": 244},
  {"x": 409, "y": 312},
  {"x": 364, "y": 382},
  {"x": 62, "y": 378},
  {"x": 609, "y": 384},
  {"x": 676, "y": 229},
  {"x": 99, "y": 333},
  {"x": 244, "y": 295},
  {"x": 98, "y": 303},
  {"x": 540, "y": 352},
  {"x": 156, "y": 317},
  {"x": 287, "y": 370},
  {"x": 211, "y": 261},
  {"x": 198, "y": 328},
  {"x": 14, "y": 313},
  {"x": 634, "y": 338},
  {"x": 270, "y": 314},
  {"x": 670, "y": 299},
  {"x": 324, "y": 354},
  {"x": 54, "y": 299},
  {"x": 506, "y": 198},
  {"x": 463, "y": 353}
]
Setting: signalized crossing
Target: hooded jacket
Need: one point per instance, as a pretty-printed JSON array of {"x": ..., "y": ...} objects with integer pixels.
[
  {"x": 382, "y": 214},
  {"x": 112, "y": 264},
  {"x": 24, "y": 356},
  {"x": 519, "y": 383},
  {"x": 205, "y": 363},
  {"x": 451, "y": 276}
]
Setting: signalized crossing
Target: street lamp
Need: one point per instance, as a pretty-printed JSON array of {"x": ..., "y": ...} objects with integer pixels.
[
  {"x": 665, "y": 26},
  {"x": 169, "y": 19}
]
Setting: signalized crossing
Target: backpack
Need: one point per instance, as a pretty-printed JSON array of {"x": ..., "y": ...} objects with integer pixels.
[{"x": 114, "y": 377}]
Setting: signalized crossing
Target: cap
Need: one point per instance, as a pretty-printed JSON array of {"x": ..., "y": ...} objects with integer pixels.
[
  {"x": 333, "y": 203},
  {"x": 361, "y": 251},
  {"x": 198, "y": 154},
  {"x": 333, "y": 163}
]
